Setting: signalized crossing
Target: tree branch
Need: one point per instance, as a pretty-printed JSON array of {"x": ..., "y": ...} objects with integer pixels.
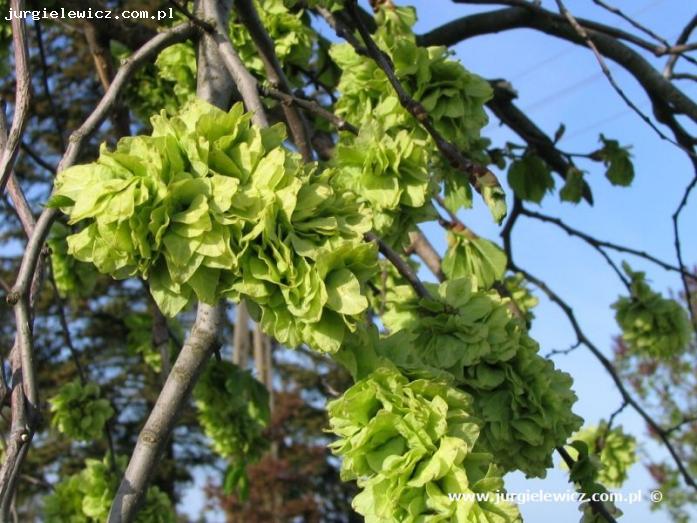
[
  {"x": 402, "y": 266},
  {"x": 425, "y": 250},
  {"x": 601, "y": 243},
  {"x": 160, "y": 423},
  {"x": 550, "y": 23},
  {"x": 26, "y": 286},
  {"x": 22, "y": 95},
  {"x": 607, "y": 365},
  {"x": 275, "y": 75},
  {"x": 682, "y": 38}
]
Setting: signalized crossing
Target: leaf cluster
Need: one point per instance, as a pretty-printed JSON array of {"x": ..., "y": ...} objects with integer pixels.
[
  {"x": 651, "y": 324},
  {"x": 79, "y": 412}
]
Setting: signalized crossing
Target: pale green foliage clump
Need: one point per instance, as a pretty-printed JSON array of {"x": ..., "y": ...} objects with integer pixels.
[
  {"x": 210, "y": 206},
  {"x": 463, "y": 328},
  {"x": 233, "y": 409},
  {"x": 476, "y": 258},
  {"x": 651, "y": 325},
  {"x": 453, "y": 97},
  {"x": 584, "y": 473},
  {"x": 79, "y": 412},
  {"x": 614, "y": 450},
  {"x": 409, "y": 444},
  {"x": 288, "y": 29},
  {"x": 471, "y": 338},
  {"x": 392, "y": 174},
  {"x": 390, "y": 171},
  {"x": 524, "y": 402},
  {"x": 72, "y": 277},
  {"x": 165, "y": 85},
  {"x": 86, "y": 497},
  {"x": 177, "y": 64},
  {"x": 526, "y": 406}
]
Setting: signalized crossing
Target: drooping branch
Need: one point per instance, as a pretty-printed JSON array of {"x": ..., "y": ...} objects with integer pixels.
[
  {"x": 662, "y": 433},
  {"x": 582, "y": 339},
  {"x": 540, "y": 19},
  {"x": 22, "y": 95},
  {"x": 602, "y": 243},
  {"x": 25, "y": 288}
]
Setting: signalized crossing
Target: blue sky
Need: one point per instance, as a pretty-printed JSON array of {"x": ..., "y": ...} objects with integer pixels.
[{"x": 560, "y": 82}]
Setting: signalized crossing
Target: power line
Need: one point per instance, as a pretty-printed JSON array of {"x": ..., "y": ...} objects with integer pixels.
[{"x": 538, "y": 65}]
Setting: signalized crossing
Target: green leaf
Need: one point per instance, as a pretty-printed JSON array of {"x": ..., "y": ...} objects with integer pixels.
[
  {"x": 476, "y": 258},
  {"x": 530, "y": 178},
  {"x": 620, "y": 170},
  {"x": 344, "y": 293},
  {"x": 573, "y": 187},
  {"x": 495, "y": 199}
]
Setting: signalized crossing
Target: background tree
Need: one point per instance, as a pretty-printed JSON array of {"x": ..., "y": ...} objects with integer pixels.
[{"x": 101, "y": 345}]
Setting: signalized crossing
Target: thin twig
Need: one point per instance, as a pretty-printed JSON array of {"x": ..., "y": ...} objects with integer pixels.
[
  {"x": 308, "y": 105},
  {"x": 601, "y": 243},
  {"x": 613, "y": 416},
  {"x": 38, "y": 160},
  {"x": 60, "y": 131},
  {"x": 685, "y": 421},
  {"x": 634, "y": 23},
  {"x": 606, "y": 71},
  {"x": 563, "y": 352},
  {"x": 402, "y": 266}
]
